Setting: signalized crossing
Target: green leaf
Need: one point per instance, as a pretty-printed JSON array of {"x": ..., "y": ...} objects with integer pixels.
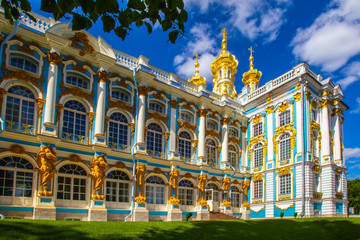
[
  {"x": 172, "y": 4},
  {"x": 149, "y": 27},
  {"x": 48, "y": 5},
  {"x": 108, "y": 23},
  {"x": 173, "y": 36},
  {"x": 15, "y": 13},
  {"x": 25, "y": 6},
  {"x": 136, "y": 4},
  {"x": 183, "y": 16},
  {"x": 80, "y": 22},
  {"x": 120, "y": 32},
  {"x": 166, "y": 25}
]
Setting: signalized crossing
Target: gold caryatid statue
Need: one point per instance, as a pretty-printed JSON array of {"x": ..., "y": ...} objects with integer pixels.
[
  {"x": 46, "y": 159},
  {"x": 140, "y": 171},
  {"x": 174, "y": 176},
  {"x": 245, "y": 187},
  {"x": 98, "y": 167},
  {"x": 197, "y": 79},
  {"x": 223, "y": 69},
  {"x": 252, "y": 77},
  {"x": 226, "y": 184},
  {"x": 202, "y": 182}
]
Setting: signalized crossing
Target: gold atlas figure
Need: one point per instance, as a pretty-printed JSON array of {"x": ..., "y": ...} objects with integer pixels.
[
  {"x": 46, "y": 159},
  {"x": 98, "y": 167}
]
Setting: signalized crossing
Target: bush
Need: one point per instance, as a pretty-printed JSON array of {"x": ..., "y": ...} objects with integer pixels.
[
  {"x": 282, "y": 215},
  {"x": 295, "y": 214}
]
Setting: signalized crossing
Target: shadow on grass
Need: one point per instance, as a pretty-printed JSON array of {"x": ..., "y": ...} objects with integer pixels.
[
  {"x": 266, "y": 229},
  {"x": 18, "y": 229}
]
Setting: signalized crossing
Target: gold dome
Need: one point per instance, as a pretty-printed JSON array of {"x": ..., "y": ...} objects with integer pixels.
[
  {"x": 197, "y": 79},
  {"x": 252, "y": 77},
  {"x": 223, "y": 69}
]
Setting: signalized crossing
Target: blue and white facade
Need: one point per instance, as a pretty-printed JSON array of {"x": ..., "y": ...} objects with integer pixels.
[{"x": 253, "y": 154}]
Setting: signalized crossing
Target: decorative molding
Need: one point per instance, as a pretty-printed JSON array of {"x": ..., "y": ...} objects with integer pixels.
[
  {"x": 297, "y": 97},
  {"x": 257, "y": 176},
  {"x": 283, "y": 107},
  {"x": 269, "y": 109},
  {"x": 203, "y": 112},
  {"x": 102, "y": 76},
  {"x": 85, "y": 47},
  {"x": 174, "y": 103},
  {"x": 24, "y": 76},
  {"x": 284, "y": 170},
  {"x": 187, "y": 125}
]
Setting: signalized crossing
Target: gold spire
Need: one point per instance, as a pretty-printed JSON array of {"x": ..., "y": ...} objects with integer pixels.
[
  {"x": 252, "y": 77},
  {"x": 224, "y": 41},
  {"x": 197, "y": 79}
]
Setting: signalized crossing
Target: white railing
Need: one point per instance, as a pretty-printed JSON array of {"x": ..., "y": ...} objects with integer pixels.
[
  {"x": 41, "y": 24},
  {"x": 282, "y": 78},
  {"x": 160, "y": 74},
  {"x": 215, "y": 96},
  {"x": 257, "y": 92},
  {"x": 187, "y": 86},
  {"x": 125, "y": 59}
]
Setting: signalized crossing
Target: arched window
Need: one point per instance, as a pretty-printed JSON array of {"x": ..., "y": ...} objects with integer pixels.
[
  {"x": 187, "y": 117},
  {"x": 184, "y": 146},
  {"x": 258, "y": 189},
  {"x": 120, "y": 95},
  {"x": 78, "y": 81},
  {"x": 232, "y": 157},
  {"x": 285, "y": 144},
  {"x": 154, "y": 140},
  {"x": 212, "y": 125},
  {"x": 157, "y": 107},
  {"x": 71, "y": 183},
  {"x": 212, "y": 192},
  {"x": 155, "y": 190},
  {"x": 232, "y": 132},
  {"x": 211, "y": 152},
  {"x": 74, "y": 121},
  {"x": 315, "y": 145},
  {"x": 118, "y": 131},
  {"x": 258, "y": 156},
  {"x": 186, "y": 192},
  {"x": 117, "y": 187},
  {"x": 235, "y": 196},
  {"x": 284, "y": 118},
  {"x": 24, "y": 64},
  {"x": 20, "y": 110},
  {"x": 16, "y": 177}
]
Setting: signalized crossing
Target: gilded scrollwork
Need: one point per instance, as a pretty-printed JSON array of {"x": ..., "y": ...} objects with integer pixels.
[
  {"x": 102, "y": 76},
  {"x": 54, "y": 58},
  {"x": 98, "y": 167},
  {"x": 174, "y": 103},
  {"x": 283, "y": 107},
  {"x": 225, "y": 121},
  {"x": 174, "y": 176},
  {"x": 269, "y": 109},
  {"x": 85, "y": 46},
  {"x": 297, "y": 97},
  {"x": 157, "y": 116},
  {"x": 257, "y": 176},
  {"x": 226, "y": 184},
  {"x": 187, "y": 125},
  {"x": 140, "y": 171},
  {"x": 174, "y": 201},
  {"x": 203, "y": 112},
  {"x": 284, "y": 170},
  {"x": 37, "y": 82},
  {"x": 245, "y": 187},
  {"x": 46, "y": 159},
  {"x": 202, "y": 182}
]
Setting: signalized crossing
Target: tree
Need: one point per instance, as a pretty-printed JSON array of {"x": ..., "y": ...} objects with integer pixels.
[
  {"x": 115, "y": 16},
  {"x": 354, "y": 194}
]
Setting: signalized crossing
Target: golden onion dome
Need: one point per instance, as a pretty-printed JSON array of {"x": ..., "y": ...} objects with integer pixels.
[
  {"x": 252, "y": 77},
  {"x": 197, "y": 79}
]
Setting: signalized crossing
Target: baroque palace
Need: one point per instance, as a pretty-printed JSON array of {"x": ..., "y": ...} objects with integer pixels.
[{"x": 91, "y": 133}]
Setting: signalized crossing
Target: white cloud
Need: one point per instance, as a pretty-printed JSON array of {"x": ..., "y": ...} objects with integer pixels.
[
  {"x": 357, "y": 109},
  {"x": 352, "y": 153},
  {"x": 332, "y": 39},
  {"x": 352, "y": 73},
  {"x": 254, "y": 19},
  {"x": 204, "y": 45}
]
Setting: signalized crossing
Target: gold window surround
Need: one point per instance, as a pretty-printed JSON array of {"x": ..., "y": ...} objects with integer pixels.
[
  {"x": 258, "y": 177},
  {"x": 279, "y": 131}
]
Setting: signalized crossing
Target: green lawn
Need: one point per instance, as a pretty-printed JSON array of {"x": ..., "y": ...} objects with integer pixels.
[{"x": 320, "y": 228}]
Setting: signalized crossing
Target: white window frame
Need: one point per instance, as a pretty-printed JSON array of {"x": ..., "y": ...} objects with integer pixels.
[
  {"x": 283, "y": 152},
  {"x": 117, "y": 188},
  {"x": 258, "y": 189},
  {"x": 154, "y": 188},
  {"x": 189, "y": 114},
  {"x": 285, "y": 185},
  {"x": 186, "y": 194},
  {"x": 85, "y": 141},
  {"x": 215, "y": 124},
  {"x": 257, "y": 129},
  {"x": 258, "y": 156},
  {"x": 284, "y": 118},
  {"x": 121, "y": 89}
]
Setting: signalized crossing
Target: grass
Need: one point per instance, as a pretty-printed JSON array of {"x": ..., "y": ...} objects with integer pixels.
[{"x": 320, "y": 228}]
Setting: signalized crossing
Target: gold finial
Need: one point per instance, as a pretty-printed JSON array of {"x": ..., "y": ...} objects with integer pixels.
[
  {"x": 251, "y": 59},
  {"x": 197, "y": 65},
  {"x": 224, "y": 42}
]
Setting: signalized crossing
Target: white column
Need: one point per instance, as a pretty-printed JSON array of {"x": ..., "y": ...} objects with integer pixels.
[
  {"x": 49, "y": 125},
  {"x": 270, "y": 133},
  {"x": 269, "y": 194},
  {"x": 244, "y": 162},
  {"x": 99, "y": 137},
  {"x": 337, "y": 136},
  {"x": 325, "y": 135},
  {"x": 173, "y": 118},
  {"x": 225, "y": 143},
  {"x": 201, "y": 145},
  {"x": 299, "y": 125},
  {"x": 140, "y": 136}
]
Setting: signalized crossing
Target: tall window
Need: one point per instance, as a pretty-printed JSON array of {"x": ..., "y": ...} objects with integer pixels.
[
  {"x": 257, "y": 129},
  {"x": 117, "y": 187},
  {"x": 315, "y": 145},
  {"x": 77, "y": 81},
  {"x": 20, "y": 109},
  {"x": 212, "y": 125},
  {"x": 118, "y": 131},
  {"x": 155, "y": 190},
  {"x": 74, "y": 121},
  {"x": 211, "y": 153},
  {"x": 284, "y": 118},
  {"x": 24, "y": 64},
  {"x": 187, "y": 117},
  {"x": 232, "y": 132},
  {"x": 157, "y": 107},
  {"x": 16, "y": 177},
  {"x": 71, "y": 183},
  {"x": 337, "y": 183},
  {"x": 185, "y": 145},
  {"x": 314, "y": 115},
  {"x": 212, "y": 190},
  {"x": 317, "y": 182},
  {"x": 154, "y": 139},
  {"x": 285, "y": 184},
  {"x": 258, "y": 189},
  {"x": 120, "y": 95},
  {"x": 258, "y": 155},
  {"x": 285, "y": 144},
  {"x": 232, "y": 158},
  {"x": 235, "y": 196},
  {"x": 186, "y": 192}
]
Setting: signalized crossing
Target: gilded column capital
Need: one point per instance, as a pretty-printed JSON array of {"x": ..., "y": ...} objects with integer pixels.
[
  {"x": 54, "y": 58},
  {"x": 102, "y": 76},
  {"x": 297, "y": 97},
  {"x": 143, "y": 90},
  {"x": 203, "y": 112},
  {"x": 225, "y": 121},
  {"x": 324, "y": 103},
  {"x": 298, "y": 86},
  {"x": 307, "y": 95},
  {"x": 269, "y": 109},
  {"x": 174, "y": 103},
  {"x": 243, "y": 129},
  {"x": 336, "y": 111}
]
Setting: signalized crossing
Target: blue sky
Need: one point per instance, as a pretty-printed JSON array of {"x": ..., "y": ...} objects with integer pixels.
[{"x": 283, "y": 33}]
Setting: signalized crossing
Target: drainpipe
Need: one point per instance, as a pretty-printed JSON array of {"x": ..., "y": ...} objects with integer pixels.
[
  {"x": 16, "y": 23},
  {"x": 133, "y": 147},
  {"x": 229, "y": 163},
  {"x": 303, "y": 154}
]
